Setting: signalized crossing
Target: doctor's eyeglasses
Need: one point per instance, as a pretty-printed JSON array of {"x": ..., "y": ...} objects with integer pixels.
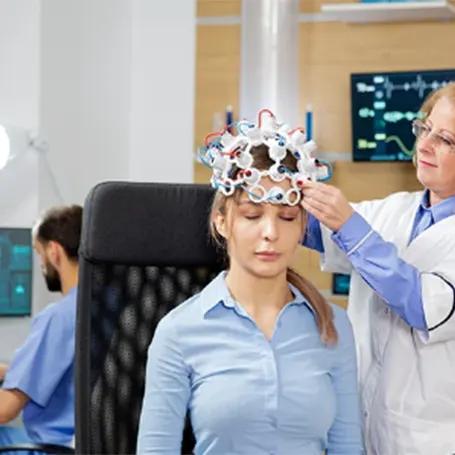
[{"x": 445, "y": 144}]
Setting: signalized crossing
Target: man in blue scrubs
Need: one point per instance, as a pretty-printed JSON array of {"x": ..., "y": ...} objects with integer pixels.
[{"x": 40, "y": 380}]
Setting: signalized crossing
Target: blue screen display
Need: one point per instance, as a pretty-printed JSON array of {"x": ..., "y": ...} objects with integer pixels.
[
  {"x": 16, "y": 263},
  {"x": 383, "y": 106},
  {"x": 341, "y": 284}
]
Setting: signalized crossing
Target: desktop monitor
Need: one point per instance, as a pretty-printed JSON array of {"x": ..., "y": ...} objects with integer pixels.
[
  {"x": 16, "y": 258},
  {"x": 383, "y": 106}
]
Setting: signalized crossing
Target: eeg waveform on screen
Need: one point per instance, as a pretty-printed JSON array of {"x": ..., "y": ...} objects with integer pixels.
[
  {"x": 383, "y": 109},
  {"x": 418, "y": 84}
]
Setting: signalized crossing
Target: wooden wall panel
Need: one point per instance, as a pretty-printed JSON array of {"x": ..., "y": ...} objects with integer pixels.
[
  {"x": 217, "y": 75},
  {"x": 217, "y": 8}
]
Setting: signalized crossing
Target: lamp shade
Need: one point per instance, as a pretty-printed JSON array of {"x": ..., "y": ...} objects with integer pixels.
[
  {"x": 13, "y": 142},
  {"x": 4, "y": 147}
]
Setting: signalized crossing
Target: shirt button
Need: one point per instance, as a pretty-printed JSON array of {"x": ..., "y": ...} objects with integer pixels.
[
  {"x": 365, "y": 414},
  {"x": 386, "y": 311}
]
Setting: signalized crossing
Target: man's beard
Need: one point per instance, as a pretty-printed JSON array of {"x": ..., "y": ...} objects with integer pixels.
[{"x": 52, "y": 278}]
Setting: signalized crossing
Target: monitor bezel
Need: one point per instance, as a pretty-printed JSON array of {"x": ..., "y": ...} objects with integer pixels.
[
  {"x": 355, "y": 158},
  {"x": 28, "y": 313}
]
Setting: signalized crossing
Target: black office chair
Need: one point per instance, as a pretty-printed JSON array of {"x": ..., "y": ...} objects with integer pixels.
[{"x": 144, "y": 249}]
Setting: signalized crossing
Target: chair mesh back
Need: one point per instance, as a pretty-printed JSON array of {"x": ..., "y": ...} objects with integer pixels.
[{"x": 121, "y": 301}]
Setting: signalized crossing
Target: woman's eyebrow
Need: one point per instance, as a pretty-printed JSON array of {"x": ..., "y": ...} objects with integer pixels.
[
  {"x": 289, "y": 208},
  {"x": 246, "y": 202}
]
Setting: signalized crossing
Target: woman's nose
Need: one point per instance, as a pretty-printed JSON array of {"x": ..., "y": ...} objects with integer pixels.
[
  {"x": 270, "y": 228},
  {"x": 426, "y": 144}
]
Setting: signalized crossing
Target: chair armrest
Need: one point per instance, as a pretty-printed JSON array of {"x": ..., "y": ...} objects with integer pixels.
[{"x": 43, "y": 448}]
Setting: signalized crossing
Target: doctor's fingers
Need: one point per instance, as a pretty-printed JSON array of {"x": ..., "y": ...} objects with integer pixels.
[
  {"x": 319, "y": 186},
  {"x": 317, "y": 208},
  {"x": 315, "y": 202},
  {"x": 327, "y": 198},
  {"x": 311, "y": 210}
]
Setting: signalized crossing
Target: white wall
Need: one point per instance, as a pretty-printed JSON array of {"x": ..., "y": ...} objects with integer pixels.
[
  {"x": 117, "y": 80},
  {"x": 85, "y": 92},
  {"x": 163, "y": 87},
  {"x": 19, "y": 105},
  {"x": 110, "y": 85}
]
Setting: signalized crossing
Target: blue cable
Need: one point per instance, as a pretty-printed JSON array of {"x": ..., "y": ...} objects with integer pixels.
[
  {"x": 243, "y": 123},
  {"x": 329, "y": 165},
  {"x": 202, "y": 157}
]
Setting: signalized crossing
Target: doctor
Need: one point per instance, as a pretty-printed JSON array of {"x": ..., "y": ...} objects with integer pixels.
[
  {"x": 401, "y": 254},
  {"x": 40, "y": 380}
]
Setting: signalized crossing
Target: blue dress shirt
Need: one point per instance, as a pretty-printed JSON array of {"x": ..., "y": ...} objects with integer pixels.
[
  {"x": 43, "y": 369},
  {"x": 246, "y": 395},
  {"x": 377, "y": 261}
]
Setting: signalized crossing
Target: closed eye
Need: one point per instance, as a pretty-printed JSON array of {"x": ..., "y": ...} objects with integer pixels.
[
  {"x": 288, "y": 218},
  {"x": 446, "y": 141},
  {"x": 289, "y": 213}
]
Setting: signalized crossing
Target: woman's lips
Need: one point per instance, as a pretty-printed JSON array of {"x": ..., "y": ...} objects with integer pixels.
[
  {"x": 426, "y": 163},
  {"x": 267, "y": 255}
]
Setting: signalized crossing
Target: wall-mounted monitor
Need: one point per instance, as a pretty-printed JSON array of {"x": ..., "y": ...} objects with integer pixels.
[
  {"x": 383, "y": 106},
  {"x": 16, "y": 264},
  {"x": 340, "y": 284}
]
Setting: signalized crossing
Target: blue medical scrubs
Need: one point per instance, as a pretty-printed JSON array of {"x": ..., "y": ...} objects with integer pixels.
[{"x": 43, "y": 368}]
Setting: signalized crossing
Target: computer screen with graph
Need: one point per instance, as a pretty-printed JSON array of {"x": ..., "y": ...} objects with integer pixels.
[
  {"x": 16, "y": 263},
  {"x": 383, "y": 106}
]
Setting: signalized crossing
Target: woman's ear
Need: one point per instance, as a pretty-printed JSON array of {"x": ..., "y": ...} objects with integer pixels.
[{"x": 220, "y": 225}]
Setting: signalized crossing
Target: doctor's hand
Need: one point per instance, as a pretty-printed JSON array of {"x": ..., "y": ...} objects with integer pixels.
[{"x": 326, "y": 203}]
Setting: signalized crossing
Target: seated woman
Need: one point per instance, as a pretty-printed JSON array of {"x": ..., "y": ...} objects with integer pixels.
[{"x": 262, "y": 362}]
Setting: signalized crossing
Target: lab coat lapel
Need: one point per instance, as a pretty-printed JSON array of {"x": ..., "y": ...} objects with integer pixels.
[
  {"x": 430, "y": 248},
  {"x": 395, "y": 223}
]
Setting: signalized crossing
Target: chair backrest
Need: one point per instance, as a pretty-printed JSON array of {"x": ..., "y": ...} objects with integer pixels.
[{"x": 145, "y": 248}]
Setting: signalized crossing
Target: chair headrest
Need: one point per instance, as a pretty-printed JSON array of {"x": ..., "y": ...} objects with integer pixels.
[{"x": 157, "y": 224}]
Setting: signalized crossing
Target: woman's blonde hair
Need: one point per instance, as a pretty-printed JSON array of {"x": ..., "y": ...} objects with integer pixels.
[
  {"x": 324, "y": 312},
  {"x": 447, "y": 91}
]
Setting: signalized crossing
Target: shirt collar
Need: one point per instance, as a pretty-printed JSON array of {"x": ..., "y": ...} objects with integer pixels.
[
  {"x": 217, "y": 293},
  {"x": 441, "y": 210}
]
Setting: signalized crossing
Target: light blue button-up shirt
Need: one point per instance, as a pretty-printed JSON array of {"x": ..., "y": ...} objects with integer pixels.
[
  {"x": 291, "y": 395},
  {"x": 377, "y": 261}
]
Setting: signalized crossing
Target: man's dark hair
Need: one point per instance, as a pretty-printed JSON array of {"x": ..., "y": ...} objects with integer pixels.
[{"x": 62, "y": 225}]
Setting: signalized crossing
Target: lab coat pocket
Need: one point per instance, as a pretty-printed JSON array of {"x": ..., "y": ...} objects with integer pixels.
[{"x": 411, "y": 436}]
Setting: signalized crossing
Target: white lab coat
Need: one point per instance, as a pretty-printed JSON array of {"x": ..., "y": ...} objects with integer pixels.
[{"x": 407, "y": 377}]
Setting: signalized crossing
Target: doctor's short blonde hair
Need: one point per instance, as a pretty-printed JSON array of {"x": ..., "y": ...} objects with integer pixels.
[{"x": 447, "y": 91}]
